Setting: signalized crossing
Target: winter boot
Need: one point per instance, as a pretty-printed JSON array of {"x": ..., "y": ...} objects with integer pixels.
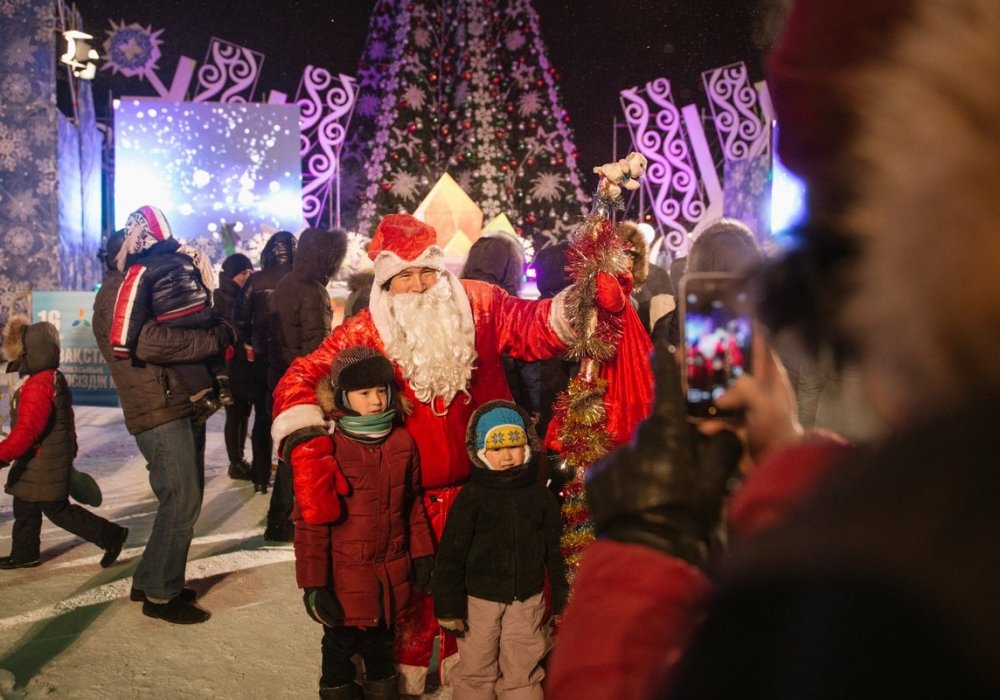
[
  {"x": 12, "y": 563},
  {"x": 385, "y": 689},
  {"x": 115, "y": 548},
  {"x": 240, "y": 470},
  {"x": 279, "y": 531},
  {"x": 224, "y": 394},
  {"x": 351, "y": 691}
]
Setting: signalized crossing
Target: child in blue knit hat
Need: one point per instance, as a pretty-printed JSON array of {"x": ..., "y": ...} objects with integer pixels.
[{"x": 500, "y": 541}]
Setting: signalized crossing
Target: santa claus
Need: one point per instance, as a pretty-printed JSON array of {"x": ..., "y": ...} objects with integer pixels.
[{"x": 445, "y": 337}]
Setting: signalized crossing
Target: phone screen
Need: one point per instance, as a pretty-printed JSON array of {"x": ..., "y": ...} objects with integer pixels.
[{"x": 717, "y": 338}]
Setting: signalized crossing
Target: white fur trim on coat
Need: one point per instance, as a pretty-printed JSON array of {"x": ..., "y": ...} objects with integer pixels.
[
  {"x": 558, "y": 320},
  {"x": 305, "y": 415}
]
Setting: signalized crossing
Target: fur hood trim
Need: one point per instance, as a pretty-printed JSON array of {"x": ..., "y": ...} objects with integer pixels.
[
  {"x": 324, "y": 396},
  {"x": 13, "y": 337}
]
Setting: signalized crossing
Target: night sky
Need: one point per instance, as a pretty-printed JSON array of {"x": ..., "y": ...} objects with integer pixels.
[{"x": 599, "y": 48}]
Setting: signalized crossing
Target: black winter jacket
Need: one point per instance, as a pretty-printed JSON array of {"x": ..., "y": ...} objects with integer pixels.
[
  {"x": 300, "y": 300},
  {"x": 160, "y": 284},
  {"x": 253, "y": 314},
  {"x": 501, "y": 537},
  {"x": 237, "y": 366},
  {"x": 150, "y": 394}
]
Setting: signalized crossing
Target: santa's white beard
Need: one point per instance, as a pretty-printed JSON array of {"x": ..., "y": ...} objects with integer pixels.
[{"x": 428, "y": 343}]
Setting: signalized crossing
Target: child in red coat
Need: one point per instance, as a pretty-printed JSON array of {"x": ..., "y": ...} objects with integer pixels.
[
  {"x": 41, "y": 448},
  {"x": 361, "y": 531}
]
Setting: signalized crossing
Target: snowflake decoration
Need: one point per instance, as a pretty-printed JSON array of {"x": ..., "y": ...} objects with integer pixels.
[
  {"x": 405, "y": 186},
  {"x": 18, "y": 52},
  {"x": 22, "y": 206},
  {"x": 489, "y": 189},
  {"x": 421, "y": 37},
  {"x": 13, "y": 147},
  {"x": 547, "y": 187},
  {"x": 132, "y": 49},
  {"x": 480, "y": 79},
  {"x": 45, "y": 22},
  {"x": 522, "y": 73},
  {"x": 514, "y": 40},
  {"x": 7, "y": 8},
  {"x": 376, "y": 50},
  {"x": 368, "y": 105},
  {"x": 530, "y": 103},
  {"x": 19, "y": 240},
  {"x": 16, "y": 87},
  {"x": 414, "y": 97}
]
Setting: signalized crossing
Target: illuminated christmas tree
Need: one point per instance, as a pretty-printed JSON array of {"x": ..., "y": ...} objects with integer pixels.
[{"x": 463, "y": 87}]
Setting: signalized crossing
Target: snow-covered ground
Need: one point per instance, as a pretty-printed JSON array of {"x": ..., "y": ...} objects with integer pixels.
[{"x": 68, "y": 629}]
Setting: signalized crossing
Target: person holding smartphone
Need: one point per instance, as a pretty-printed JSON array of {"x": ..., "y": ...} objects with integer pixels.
[{"x": 877, "y": 575}]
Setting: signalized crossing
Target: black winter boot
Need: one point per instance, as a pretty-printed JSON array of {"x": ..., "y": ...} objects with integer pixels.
[
  {"x": 385, "y": 689},
  {"x": 351, "y": 691}
]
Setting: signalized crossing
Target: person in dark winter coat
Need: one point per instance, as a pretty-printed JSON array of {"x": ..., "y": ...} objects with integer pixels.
[
  {"x": 40, "y": 450},
  {"x": 304, "y": 319},
  {"x": 254, "y": 319},
  {"x": 171, "y": 283},
  {"x": 500, "y": 540},
  {"x": 498, "y": 258},
  {"x": 357, "y": 572},
  {"x": 360, "y": 286},
  {"x": 158, "y": 412},
  {"x": 236, "y": 269},
  {"x": 555, "y": 372}
]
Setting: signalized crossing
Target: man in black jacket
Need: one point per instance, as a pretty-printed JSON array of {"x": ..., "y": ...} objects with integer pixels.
[
  {"x": 253, "y": 317},
  {"x": 158, "y": 413},
  {"x": 302, "y": 320}
]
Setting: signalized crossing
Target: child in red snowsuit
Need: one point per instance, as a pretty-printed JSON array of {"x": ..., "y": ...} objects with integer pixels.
[{"x": 362, "y": 537}]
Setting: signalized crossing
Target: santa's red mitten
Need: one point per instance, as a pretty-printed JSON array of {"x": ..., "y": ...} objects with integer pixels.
[
  {"x": 609, "y": 294},
  {"x": 317, "y": 480}
]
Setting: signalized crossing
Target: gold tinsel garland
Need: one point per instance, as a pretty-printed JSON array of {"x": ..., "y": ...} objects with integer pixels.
[{"x": 594, "y": 248}]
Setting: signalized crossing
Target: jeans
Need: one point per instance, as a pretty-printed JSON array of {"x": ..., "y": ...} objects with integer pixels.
[
  {"x": 341, "y": 643},
  {"x": 26, "y": 535},
  {"x": 175, "y": 458}
]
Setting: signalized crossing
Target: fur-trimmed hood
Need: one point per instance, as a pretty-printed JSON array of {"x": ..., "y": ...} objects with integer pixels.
[
  {"x": 635, "y": 245},
  {"x": 324, "y": 396},
  {"x": 927, "y": 215},
  {"x": 35, "y": 346},
  {"x": 534, "y": 443}
]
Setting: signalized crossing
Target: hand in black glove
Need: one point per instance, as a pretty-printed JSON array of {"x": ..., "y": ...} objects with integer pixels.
[
  {"x": 665, "y": 489},
  {"x": 423, "y": 572},
  {"x": 323, "y": 606},
  {"x": 224, "y": 333}
]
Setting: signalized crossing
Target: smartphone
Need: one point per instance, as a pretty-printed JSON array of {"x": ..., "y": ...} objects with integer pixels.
[{"x": 716, "y": 326}]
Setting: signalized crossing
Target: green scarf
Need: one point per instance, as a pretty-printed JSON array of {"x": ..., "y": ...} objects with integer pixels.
[{"x": 370, "y": 429}]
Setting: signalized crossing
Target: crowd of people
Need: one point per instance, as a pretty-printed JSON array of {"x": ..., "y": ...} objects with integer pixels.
[{"x": 756, "y": 559}]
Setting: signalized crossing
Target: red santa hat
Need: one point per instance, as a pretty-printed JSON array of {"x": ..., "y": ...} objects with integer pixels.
[{"x": 402, "y": 241}]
